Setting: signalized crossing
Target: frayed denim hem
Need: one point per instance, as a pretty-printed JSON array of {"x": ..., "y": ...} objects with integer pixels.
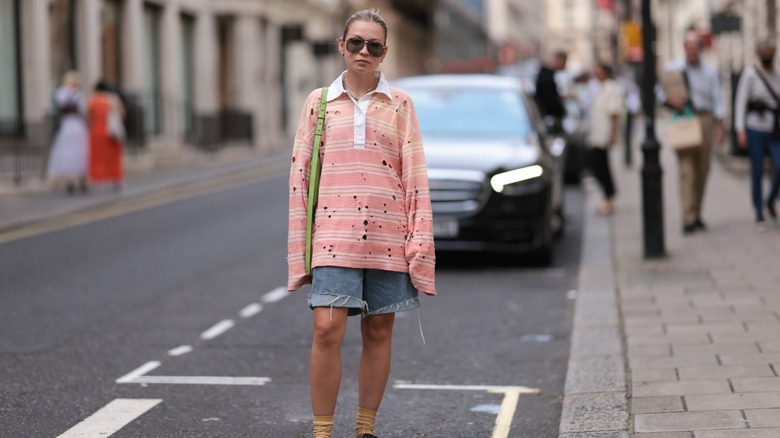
[
  {"x": 403, "y": 306},
  {"x": 355, "y": 306}
]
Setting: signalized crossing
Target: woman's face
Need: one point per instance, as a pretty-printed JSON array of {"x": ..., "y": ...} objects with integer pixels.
[{"x": 363, "y": 61}]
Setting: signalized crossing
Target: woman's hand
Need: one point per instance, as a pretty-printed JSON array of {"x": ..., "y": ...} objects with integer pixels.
[{"x": 742, "y": 139}]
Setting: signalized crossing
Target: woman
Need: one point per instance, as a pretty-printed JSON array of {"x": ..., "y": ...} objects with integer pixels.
[
  {"x": 68, "y": 161},
  {"x": 105, "y": 149},
  {"x": 606, "y": 106},
  {"x": 755, "y": 120},
  {"x": 372, "y": 239}
]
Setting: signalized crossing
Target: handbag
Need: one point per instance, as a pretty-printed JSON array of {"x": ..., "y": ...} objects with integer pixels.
[
  {"x": 115, "y": 126},
  {"x": 684, "y": 131},
  {"x": 314, "y": 178}
]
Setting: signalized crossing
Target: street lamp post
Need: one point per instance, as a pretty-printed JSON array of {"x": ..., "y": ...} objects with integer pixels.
[{"x": 652, "y": 193}]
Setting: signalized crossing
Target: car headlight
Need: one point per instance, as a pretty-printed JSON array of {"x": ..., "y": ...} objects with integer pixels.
[{"x": 515, "y": 176}]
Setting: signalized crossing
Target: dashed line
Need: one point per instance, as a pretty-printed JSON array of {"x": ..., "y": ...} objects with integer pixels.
[
  {"x": 111, "y": 418},
  {"x": 180, "y": 350},
  {"x": 138, "y": 372},
  {"x": 218, "y": 329},
  {"x": 251, "y": 310},
  {"x": 275, "y": 295}
]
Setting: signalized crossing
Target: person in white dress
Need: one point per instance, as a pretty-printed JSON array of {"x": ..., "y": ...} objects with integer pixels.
[{"x": 68, "y": 160}]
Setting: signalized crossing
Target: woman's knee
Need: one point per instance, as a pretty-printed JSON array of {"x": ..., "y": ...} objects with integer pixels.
[
  {"x": 329, "y": 331},
  {"x": 378, "y": 328}
]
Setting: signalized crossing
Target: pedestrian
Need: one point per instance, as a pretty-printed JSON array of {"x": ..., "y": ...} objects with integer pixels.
[
  {"x": 605, "y": 109},
  {"x": 372, "y": 248},
  {"x": 756, "y": 122},
  {"x": 547, "y": 96},
  {"x": 705, "y": 97},
  {"x": 106, "y": 135},
  {"x": 68, "y": 161}
]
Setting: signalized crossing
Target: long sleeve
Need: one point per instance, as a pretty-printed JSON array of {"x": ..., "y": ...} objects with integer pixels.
[
  {"x": 420, "y": 252},
  {"x": 298, "y": 193},
  {"x": 741, "y": 99},
  {"x": 719, "y": 110}
]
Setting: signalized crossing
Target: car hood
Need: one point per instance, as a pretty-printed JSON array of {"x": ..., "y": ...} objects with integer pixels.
[{"x": 484, "y": 155}]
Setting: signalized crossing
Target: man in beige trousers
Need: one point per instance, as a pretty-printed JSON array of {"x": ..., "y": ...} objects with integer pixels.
[{"x": 706, "y": 97}]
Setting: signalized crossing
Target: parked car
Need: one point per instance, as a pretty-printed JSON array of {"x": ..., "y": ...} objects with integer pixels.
[{"x": 496, "y": 176}]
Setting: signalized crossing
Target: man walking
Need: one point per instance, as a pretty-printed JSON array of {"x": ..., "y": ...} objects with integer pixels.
[
  {"x": 547, "y": 97},
  {"x": 706, "y": 99}
]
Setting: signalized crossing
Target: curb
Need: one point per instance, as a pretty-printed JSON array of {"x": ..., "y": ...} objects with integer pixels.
[{"x": 595, "y": 401}]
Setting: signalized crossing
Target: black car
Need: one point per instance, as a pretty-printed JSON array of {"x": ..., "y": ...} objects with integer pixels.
[{"x": 495, "y": 175}]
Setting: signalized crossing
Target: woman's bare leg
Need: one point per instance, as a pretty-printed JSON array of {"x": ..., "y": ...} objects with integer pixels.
[
  {"x": 325, "y": 367},
  {"x": 374, "y": 367}
]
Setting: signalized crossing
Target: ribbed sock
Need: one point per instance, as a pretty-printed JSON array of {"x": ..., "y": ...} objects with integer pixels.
[
  {"x": 323, "y": 426},
  {"x": 365, "y": 421}
]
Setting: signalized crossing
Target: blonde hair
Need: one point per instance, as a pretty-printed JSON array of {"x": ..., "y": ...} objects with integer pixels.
[
  {"x": 71, "y": 78},
  {"x": 370, "y": 15}
]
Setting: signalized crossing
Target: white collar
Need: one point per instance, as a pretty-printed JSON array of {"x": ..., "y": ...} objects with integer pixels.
[{"x": 336, "y": 88}]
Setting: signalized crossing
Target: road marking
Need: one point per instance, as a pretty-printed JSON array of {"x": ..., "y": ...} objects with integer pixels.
[
  {"x": 111, "y": 418},
  {"x": 536, "y": 338},
  {"x": 251, "y": 310},
  {"x": 178, "y": 351},
  {"x": 138, "y": 372},
  {"x": 218, "y": 329},
  {"x": 139, "y": 376},
  {"x": 202, "y": 380},
  {"x": 275, "y": 295},
  {"x": 508, "y": 405}
]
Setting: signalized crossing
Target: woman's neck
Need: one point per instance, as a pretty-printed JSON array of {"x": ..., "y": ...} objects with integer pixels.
[{"x": 360, "y": 84}]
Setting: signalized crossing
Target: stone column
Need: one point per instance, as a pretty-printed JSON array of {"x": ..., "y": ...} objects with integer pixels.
[
  {"x": 271, "y": 132},
  {"x": 171, "y": 73},
  {"x": 246, "y": 87},
  {"x": 206, "y": 99},
  {"x": 89, "y": 38},
  {"x": 36, "y": 59},
  {"x": 132, "y": 46}
]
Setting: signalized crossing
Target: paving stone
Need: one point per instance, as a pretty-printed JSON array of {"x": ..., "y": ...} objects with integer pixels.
[
  {"x": 766, "y": 384},
  {"x": 653, "y": 405},
  {"x": 690, "y": 387},
  {"x": 641, "y": 374},
  {"x": 721, "y": 327},
  {"x": 655, "y": 339},
  {"x": 604, "y": 434},
  {"x": 725, "y": 371},
  {"x": 746, "y": 359},
  {"x": 771, "y": 346},
  {"x": 675, "y": 361},
  {"x": 649, "y": 351},
  {"x": 685, "y": 421},
  {"x": 663, "y": 435},
  {"x": 763, "y": 417},
  {"x": 739, "y": 433},
  {"x": 746, "y": 347},
  {"x": 754, "y": 400}
]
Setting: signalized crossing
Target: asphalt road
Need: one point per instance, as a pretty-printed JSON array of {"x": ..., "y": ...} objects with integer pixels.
[{"x": 172, "y": 318}]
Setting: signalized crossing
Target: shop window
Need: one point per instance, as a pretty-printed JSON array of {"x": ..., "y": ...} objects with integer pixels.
[
  {"x": 153, "y": 100},
  {"x": 10, "y": 84}
]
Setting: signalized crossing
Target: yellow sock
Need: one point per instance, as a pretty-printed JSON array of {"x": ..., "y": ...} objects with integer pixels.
[
  {"x": 365, "y": 421},
  {"x": 323, "y": 426}
]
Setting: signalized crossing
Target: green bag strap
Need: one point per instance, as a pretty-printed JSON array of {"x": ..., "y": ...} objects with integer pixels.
[{"x": 314, "y": 177}]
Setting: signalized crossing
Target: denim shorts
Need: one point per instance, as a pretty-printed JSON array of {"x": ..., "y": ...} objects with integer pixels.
[{"x": 362, "y": 291}]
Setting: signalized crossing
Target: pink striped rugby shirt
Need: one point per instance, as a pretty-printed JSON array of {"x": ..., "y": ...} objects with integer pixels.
[{"x": 374, "y": 207}]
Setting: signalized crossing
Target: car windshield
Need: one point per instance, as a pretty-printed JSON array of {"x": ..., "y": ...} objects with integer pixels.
[{"x": 470, "y": 112}]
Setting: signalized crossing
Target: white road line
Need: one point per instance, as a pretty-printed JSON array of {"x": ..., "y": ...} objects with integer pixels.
[
  {"x": 251, "y": 310},
  {"x": 218, "y": 329},
  {"x": 178, "y": 351},
  {"x": 111, "y": 418},
  {"x": 138, "y": 372},
  {"x": 202, "y": 380},
  {"x": 275, "y": 295},
  {"x": 486, "y": 388},
  {"x": 508, "y": 405}
]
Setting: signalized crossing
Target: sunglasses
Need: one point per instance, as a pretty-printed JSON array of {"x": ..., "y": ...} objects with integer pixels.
[{"x": 375, "y": 48}]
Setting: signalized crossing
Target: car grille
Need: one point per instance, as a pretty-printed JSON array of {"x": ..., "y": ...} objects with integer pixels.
[{"x": 455, "y": 191}]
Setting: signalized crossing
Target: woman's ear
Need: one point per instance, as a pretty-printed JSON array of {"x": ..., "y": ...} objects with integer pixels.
[{"x": 341, "y": 45}]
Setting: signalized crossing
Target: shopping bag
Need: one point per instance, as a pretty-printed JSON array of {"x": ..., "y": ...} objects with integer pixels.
[{"x": 684, "y": 132}]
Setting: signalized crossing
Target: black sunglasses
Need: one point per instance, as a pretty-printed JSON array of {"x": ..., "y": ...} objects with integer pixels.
[{"x": 375, "y": 48}]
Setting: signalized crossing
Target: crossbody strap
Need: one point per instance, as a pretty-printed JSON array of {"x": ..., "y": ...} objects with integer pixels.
[
  {"x": 770, "y": 89},
  {"x": 314, "y": 177},
  {"x": 687, "y": 82}
]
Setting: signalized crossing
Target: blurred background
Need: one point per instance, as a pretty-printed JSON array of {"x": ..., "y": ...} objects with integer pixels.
[{"x": 210, "y": 74}]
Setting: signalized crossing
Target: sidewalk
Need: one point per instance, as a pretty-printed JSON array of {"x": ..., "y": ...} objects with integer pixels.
[
  {"x": 35, "y": 202},
  {"x": 698, "y": 331}
]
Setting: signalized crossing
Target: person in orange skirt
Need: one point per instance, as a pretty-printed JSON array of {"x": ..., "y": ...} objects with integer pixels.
[{"x": 105, "y": 146}]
